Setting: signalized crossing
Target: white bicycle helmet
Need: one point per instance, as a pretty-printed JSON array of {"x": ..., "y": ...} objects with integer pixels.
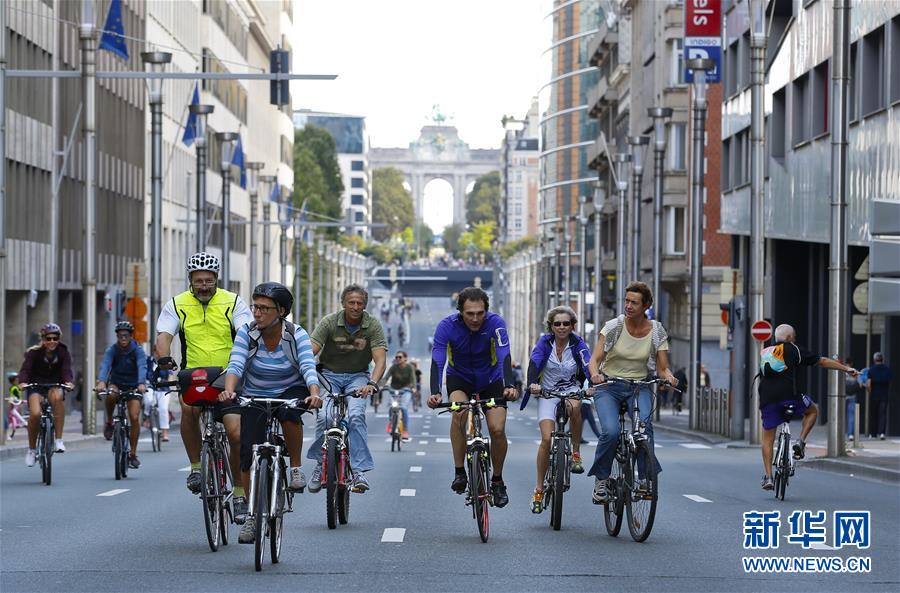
[{"x": 203, "y": 262}]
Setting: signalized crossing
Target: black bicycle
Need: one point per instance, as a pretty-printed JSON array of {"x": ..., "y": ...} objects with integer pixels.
[
  {"x": 782, "y": 461},
  {"x": 478, "y": 458},
  {"x": 46, "y": 433},
  {"x": 633, "y": 484},
  {"x": 558, "y": 477},
  {"x": 121, "y": 422},
  {"x": 270, "y": 497}
]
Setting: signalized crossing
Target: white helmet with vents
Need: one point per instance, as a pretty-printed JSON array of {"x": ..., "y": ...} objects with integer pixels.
[{"x": 203, "y": 262}]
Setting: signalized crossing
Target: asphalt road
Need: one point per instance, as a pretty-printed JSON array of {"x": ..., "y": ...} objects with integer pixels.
[{"x": 80, "y": 535}]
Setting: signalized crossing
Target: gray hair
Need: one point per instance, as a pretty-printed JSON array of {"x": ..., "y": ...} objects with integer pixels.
[
  {"x": 548, "y": 320},
  {"x": 784, "y": 332},
  {"x": 358, "y": 289},
  {"x": 878, "y": 357}
]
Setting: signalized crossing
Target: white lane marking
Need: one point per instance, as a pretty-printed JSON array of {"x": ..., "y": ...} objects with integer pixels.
[
  {"x": 420, "y": 453},
  {"x": 381, "y": 415},
  {"x": 655, "y": 446},
  {"x": 407, "y": 492},
  {"x": 441, "y": 440},
  {"x": 144, "y": 440},
  {"x": 113, "y": 492},
  {"x": 508, "y": 442},
  {"x": 695, "y": 446},
  {"x": 537, "y": 442},
  {"x": 696, "y": 498},
  {"x": 426, "y": 434},
  {"x": 423, "y": 442},
  {"x": 592, "y": 443},
  {"x": 415, "y": 469},
  {"x": 393, "y": 535},
  {"x": 185, "y": 469}
]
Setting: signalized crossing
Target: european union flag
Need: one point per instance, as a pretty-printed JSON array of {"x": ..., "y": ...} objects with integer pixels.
[
  {"x": 238, "y": 160},
  {"x": 276, "y": 192},
  {"x": 113, "y": 37},
  {"x": 190, "y": 128}
]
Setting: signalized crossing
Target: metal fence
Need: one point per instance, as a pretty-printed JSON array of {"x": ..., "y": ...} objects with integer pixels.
[{"x": 709, "y": 411}]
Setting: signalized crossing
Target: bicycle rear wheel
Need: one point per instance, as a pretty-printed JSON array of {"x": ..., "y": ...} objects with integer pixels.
[
  {"x": 395, "y": 429},
  {"x": 46, "y": 452},
  {"x": 123, "y": 455},
  {"x": 209, "y": 496},
  {"x": 226, "y": 516},
  {"x": 559, "y": 484},
  {"x": 261, "y": 511},
  {"x": 479, "y": 486},
  {"x": 641, "y": 492},
  {"x": 783, "y": 466},
  {"x": 155, "y": 432},
  {"x": 614, "y": 507},
  {"x": 277, "y": 519},
  {"x": 343, "y": 506},
  {"x": 117, "y": 452},
  {"x": 331, "y": 483}
]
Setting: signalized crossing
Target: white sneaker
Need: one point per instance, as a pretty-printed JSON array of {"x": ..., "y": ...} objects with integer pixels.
[
  {"x": 60, "y": 446},
  {"x": 30, "y": 457},
  {"x": 296, "y": 479}
]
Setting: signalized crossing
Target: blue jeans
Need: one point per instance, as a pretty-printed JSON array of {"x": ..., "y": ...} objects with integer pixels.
[
  {"x": 851, "y": 415},
  {"x": 405, "y": 402},
  {"x": 357, "y": 432},
  {"x": 606, "y": 401}
]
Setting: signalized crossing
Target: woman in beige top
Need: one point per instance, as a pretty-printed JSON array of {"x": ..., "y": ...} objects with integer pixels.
[{"x": 630, "y": 347}]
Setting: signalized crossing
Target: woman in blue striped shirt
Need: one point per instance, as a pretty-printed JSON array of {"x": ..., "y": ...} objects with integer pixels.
[{"x": 273, "y": 362}]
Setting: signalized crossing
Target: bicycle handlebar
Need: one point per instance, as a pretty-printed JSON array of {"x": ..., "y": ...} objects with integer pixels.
[
  {"x": 295, "y": 403},
  {"x": 484, "y": 403},
  {"x": 550, "y": 394},
  {"x": 653, "y": 381},
  {"x": 63, "y": 386}
]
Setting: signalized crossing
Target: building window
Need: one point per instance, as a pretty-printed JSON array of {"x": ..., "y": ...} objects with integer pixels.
[
  {"x": 873, "y": 71},
  {"x": 895, "y": 59},
  {"x": 853, "y": 86},
  {"x": 676, "y": 230},
  {"x": 820, "y": 99},
  {"x": 287, "y": 151},
  {"x": 740, "y": 156},
  {"x": 732, "y": 72},
  {"x": 360, "y": 217},
  {"x": 678, "y": 147},
  {"x": 357, "y": 199},
  {"x": 676, "y": 76},
  {"x": 777, "y": 131},
  {"x": 357, "y": 182},
  {"x": 800, "y": 128},
  {"x": 726, "y": 164},
  {"x": 356, "y": 165},
  {"x": 230, "y": 92}
]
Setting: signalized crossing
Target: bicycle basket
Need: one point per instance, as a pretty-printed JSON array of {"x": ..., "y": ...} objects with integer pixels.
[{"x": 196, "y": 385}]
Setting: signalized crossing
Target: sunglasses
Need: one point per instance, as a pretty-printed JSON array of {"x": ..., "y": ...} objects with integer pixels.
[
  {"x": 50, "y": 339},
  {"x": 562, "y": 323}
]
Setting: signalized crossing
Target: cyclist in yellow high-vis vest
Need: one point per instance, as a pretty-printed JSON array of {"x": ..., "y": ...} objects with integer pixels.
[{"x": 206, "y": 319}]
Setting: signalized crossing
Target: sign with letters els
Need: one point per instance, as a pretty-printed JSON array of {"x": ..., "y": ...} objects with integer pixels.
[{"x": 703, "y": 35}]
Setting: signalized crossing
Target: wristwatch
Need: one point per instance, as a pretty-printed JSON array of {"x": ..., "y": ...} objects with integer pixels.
[{"x": 374, "y": 385}]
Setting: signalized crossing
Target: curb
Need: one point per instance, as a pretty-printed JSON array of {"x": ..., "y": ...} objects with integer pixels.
[
  {"x": 18, "y": 451},
  {"x": 706, "y": 437},
  {"x": 855, "y": 469}
]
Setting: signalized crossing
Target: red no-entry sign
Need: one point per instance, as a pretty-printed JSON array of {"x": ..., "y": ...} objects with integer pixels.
[{"x": 761, "y": 330}]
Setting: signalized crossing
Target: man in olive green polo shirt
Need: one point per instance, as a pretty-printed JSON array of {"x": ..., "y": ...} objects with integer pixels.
[{"x": 346, "y": 342}]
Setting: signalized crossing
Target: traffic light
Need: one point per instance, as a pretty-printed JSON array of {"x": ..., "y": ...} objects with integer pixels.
[
  {"x": 727, "y": 310},
  {"x": 279, "y": 63}
]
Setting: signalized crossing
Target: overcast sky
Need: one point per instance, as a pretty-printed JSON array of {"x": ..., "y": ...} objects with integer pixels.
[{"x": 396, "y": 59}]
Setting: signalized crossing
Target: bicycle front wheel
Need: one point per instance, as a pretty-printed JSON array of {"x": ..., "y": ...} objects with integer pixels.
[
  {"x": 783, "y": 467},
  {"x": 331, "y": 484},
  {"x": 117, "y": 448},
  {"x": 642, "y": 492},
  {"x": 155, "y": 432},
  {"x": 277, "y": 519},
  {"x": 46, "y": 452},
  {"x": 559, "y": 483},
  {"x": 261, "y": 511},
  {"x": 343, "y": 499},
  {"x": 479, "y": 488},
  {"x": 614, "y": 507},
  {"x": 395, "y": 429},
  {"x": 209, "y": 496}
]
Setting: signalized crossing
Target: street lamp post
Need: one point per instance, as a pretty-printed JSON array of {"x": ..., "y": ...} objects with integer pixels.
[
  {"x": 156, "y": 61},
  {"x": 253, "y": 169},
  {"x": 268, "y": 180},
  {"x": 659, "y": 115},
  {"x": 285, "y": 219},
  {"x": 298, "y": 263},
  {"x": 567, "y": 281},
  {"x": 621, "y": 160},
  {"x": 700, "y": 67},
  {"x": 320, "y": 252},
  {"x": 638, "y": 146},
  {"x": 599, "y": 197},
  {"x": 226, "y": 139},
  {"x": 202, "y": 112},
  {"x": 582, "y": 259}
]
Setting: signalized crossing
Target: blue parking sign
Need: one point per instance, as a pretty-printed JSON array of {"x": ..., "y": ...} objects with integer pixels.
[{"x": 709, "y": 52}]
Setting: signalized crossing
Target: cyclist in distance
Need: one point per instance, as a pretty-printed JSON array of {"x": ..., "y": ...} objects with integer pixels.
[
  {"x": 474, "y": 346},
  {"x": 346, "y": 342},
  {"x": 559, "y": 362},
  {"x": 48, "y": 362},
  {"x": 403, "y": 379},
  {"x": 274, "y": 358},
  {"x": 205, "y": 319},
  {"x": 630, "y": 346},
  {"x": 778, "y": 387},
  {"x": 124, "y": 368}
]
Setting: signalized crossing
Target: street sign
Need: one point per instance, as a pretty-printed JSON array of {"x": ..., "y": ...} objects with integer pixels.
[
  {"x": 136, "y": 279},
  {"x": 863, "y": 324},
  {"x": 135, "y": 308},
  {"x": 703, "y": 35},
  {"x": 761, "y": 330},
  {"x": 861, "y": 297}
]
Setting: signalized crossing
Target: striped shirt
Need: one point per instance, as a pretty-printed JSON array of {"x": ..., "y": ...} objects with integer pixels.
[{"x": 270, "y": 374}]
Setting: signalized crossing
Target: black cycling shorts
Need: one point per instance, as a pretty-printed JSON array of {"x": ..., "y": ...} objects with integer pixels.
[
  {"x": 494, "y": 390},
  {"x": 253, "y": 423}
]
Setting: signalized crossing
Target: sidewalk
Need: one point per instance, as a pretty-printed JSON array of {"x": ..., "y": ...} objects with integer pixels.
[
  {"x": 875, "y": 459},
  {"x": 16, "y": 447}
]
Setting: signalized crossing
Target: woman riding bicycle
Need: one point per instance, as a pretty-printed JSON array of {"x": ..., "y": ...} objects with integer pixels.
[
  {"x": 48, "y": 362},
  {"x": 274, "y": 358},
  {"x": 558, "y": 363},
  {"x": 629, "y": 347}
]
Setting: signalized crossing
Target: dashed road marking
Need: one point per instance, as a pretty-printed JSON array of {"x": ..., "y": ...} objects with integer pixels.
[
  {"x": 695, "y": 446},
  {"x": 393, "y": 535},
  {"x": 426, "y": 434},
  {"x": 423, "y": 442},
  {"x": 407, "y": 492},
  {"x": 113, "y": 492},
  {"x": 442, "y": 440},
  {"x": 696, "y": 498},
  {"x": 420, "y": 453},
  {"x": 415, "y": 469},
  {"x": 185, "y": 469},
  {"x": 145, "y": 440}
]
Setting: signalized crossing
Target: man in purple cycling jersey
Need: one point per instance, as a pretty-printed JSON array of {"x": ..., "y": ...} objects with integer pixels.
[{"x": 474, "y": 346}]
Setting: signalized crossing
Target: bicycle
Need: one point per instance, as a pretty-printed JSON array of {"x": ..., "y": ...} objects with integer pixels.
[
  {"x": 14, "y": 418},
  {"x": 395, "y": 418},
  {"x": 153, "y": 418},
  {"x": 337, "y": 475},
  {"x": 216, "y": 481},
  {"x": 121, "y": 439},
  {"x": 478, "y": 459},
  {"x": 633, "y": 484},
  {"x": 558, "y": 477},
  {"x": 782, "y": 460},
  {"x": 46, "y": 434},
  {"x": 270, "y": 497}
]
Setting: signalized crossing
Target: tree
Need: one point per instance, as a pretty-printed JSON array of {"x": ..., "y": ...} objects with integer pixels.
[
  {"x": 317, "y": 176},
  {"x": 309, "y": 183},
  {"x": 483, "y": 202},
  {"x": 325, "y": 150},
  {"x": 391, "y": 203},
  {"x": 426, "y": 237},
  {"x": 451, "y": 238},
  {"x": 519, "y": 245}
]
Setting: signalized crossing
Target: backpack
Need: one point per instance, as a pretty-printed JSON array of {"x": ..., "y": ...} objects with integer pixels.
[
  {"x": 288, "y": 343},
  {"x": 772, "y": 362}
]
